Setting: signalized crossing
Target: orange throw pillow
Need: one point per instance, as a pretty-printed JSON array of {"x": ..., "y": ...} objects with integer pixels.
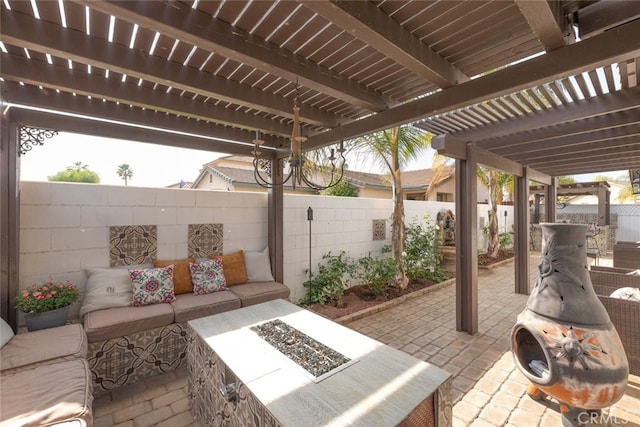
[
  {"x": 182, "y": 283},
  {"x": 233, "y": 268}
]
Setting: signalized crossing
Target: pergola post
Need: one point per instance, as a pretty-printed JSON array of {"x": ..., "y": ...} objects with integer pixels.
[
  {"x": 9, "y": 218},
  {"x": 604, "y": 195},
  {"x": 275, "y": 220},
  {"x": 466, "y": 187},
  {"x": 550, "y": 200},
  {"x": 522, "y": 237}
]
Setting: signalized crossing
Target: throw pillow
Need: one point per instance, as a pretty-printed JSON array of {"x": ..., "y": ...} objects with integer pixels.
[
  {"x": 182, "y": 283},
  {"x": 207, "y": 276},
  {"x": 233, "y": 267},
  {"x": 105, "y": 288},
  {"x": 632, "y": 294},
  {"x": 6, "y": 333},
  {"x": 152, "y": 286},
  {"x": 258, "y": 266}
]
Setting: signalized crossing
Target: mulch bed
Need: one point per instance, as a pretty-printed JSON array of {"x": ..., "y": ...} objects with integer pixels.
[{"x": 359, "y": 298}]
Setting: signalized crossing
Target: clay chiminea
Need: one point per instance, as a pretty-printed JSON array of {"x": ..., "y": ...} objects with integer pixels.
[{"x": 564, "y": 341}]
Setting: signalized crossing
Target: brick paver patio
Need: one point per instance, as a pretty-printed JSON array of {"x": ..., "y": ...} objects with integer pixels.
[{"x": 488, "y": 390}]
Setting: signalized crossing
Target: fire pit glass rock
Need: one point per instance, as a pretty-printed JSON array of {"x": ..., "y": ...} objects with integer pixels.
[{"x": 315, "y": 357}]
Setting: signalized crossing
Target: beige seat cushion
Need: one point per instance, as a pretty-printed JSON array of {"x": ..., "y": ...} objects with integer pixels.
[
  {"x": 110, "y": 323},
  {"x": 47, "y": 394},
  {"x": 44, "y": 346},
  {"x": 258, "y": 292},
  {"x": 190, "y": 306}
]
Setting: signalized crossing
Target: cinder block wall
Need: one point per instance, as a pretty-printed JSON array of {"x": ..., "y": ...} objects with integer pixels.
[{"x": 64, "y": 227}]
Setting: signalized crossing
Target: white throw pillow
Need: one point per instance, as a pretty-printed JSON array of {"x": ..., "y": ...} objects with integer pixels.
[
  {"x": 6, "y": 333},
  {"x": 258, "y": 266},
  {"x": 629, "y": 293},
  {"x": 106, "y": 288}
]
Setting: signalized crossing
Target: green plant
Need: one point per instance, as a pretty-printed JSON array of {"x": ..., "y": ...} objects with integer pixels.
[
  {"x": 377, "y": 274},
  {"x": 343, "y": 189},
  {"x": 420, "y": 250},
  {"x": 46, "y": 297},
  {"x": 330, "y": 282},
  {"x": 505, "y": 240}
]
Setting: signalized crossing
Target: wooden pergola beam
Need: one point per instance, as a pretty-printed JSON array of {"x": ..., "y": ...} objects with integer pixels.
[
  {"x": 544, "y": 18},
  {"x": 587, "y": 114},
  {"x": 79, "y": 114},
  {"x": 180, "y": 21},
  {"x": 128, "y": 93},
  {"x": 27, "y": 32},
  {"x": 368, "y": 23},
  {"x": 613, "y": 46}
]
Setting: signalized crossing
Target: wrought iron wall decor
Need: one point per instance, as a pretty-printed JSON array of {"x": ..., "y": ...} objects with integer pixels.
[{"x": 30, "y": 136}]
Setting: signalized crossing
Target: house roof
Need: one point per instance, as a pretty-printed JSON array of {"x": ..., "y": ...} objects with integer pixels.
[
  {"x": 243, "y": 173},
  {"x": 208, "y": 74}
]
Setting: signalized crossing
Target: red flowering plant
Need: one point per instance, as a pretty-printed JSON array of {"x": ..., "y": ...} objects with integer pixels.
[{"x": 48, "y": 296}]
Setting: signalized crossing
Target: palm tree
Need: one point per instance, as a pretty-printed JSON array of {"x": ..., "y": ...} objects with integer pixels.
[
  {"x": 125, "y": 172},
  {"x": 77, "y": 166},
  {"x": 393, "y": 149},
  {"x": 495, "y": 182},
  {"x": 441, "y": 171}
]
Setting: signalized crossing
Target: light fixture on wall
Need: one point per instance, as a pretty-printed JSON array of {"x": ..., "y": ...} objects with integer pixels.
[
  {"x": 301, "y": 169},
  {"x": 634, "y": 176}
]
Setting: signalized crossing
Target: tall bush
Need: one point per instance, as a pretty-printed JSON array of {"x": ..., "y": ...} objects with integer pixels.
[{"x": 420, "y": 250}]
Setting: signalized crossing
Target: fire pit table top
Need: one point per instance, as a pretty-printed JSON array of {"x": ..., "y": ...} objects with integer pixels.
[{"x": 380, "y": 385}]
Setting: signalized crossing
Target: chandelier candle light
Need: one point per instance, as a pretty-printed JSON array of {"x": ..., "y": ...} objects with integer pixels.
[{"x": 301, "y": 168}]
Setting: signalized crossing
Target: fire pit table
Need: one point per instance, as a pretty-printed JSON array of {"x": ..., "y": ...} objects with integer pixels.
[{"x": 276, "y": 364}]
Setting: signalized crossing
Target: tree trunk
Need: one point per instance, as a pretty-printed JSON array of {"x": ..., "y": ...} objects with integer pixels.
[
  {"x": 398, "y": 229},
  {"x": 493, "y": 244}
]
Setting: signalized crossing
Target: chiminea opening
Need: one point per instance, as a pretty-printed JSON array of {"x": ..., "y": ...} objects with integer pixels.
[{"x": 531, "y": 356}]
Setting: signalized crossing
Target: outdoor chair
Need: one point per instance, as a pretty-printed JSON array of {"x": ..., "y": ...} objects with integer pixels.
[{"x": 624, "y": 314}]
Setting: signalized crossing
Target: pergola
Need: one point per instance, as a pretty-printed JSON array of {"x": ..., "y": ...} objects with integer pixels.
[{"x": 502, "y": 83}]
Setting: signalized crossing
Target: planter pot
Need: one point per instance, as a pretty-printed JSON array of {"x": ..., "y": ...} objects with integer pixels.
[{"x": 47, "y": 319}]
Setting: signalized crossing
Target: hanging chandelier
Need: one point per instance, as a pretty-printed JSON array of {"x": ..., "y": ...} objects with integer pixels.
[{"x": 301, "y": 169}]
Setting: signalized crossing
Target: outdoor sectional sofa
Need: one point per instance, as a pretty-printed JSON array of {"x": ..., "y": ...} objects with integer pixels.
[
  {"x": 624, "y": 314},
  {"x": 128, "y": 343},
  {"x": 45, "y": 378}
]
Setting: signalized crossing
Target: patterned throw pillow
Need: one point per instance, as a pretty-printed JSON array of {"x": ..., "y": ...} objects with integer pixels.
[
  {"x": 207, "y": 277},
  {"x": 152, "y": 286}
]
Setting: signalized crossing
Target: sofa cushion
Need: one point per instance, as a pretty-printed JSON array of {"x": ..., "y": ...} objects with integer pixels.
[
  {"x": 6, "y": 333},
  {"x": 44, "y": 346},
  {"x": 48, "y": 394},
  {"x": 116, "y": 322},
  {"x": 182, "y": 283},
  {"x": 207, "y": 276},
  {"x": 190, "y": 306},
  {"x": 152, "y": 286},
  {"x": 234, "y": 269},
  {"x": 258, "y": 292}
]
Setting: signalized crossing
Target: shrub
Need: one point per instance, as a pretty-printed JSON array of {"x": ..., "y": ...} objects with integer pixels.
[
  {"x": 505, "y": 241},
  {"x": 421, "y": 251},
  {"x": 377, "y": 274},
  {"x": 330, "y": 281}
]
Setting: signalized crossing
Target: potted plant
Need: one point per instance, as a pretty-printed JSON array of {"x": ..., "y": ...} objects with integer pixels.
[{"x": 47, "y": 305}]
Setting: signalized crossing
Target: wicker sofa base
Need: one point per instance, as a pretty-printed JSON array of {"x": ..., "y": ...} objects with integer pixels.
[{"x": 123, "y": 360}]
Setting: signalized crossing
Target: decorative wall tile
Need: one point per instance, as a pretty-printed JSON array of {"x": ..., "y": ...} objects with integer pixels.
[
  {"x": 204, "y": 240},
  {"x": 123, "y": 360},
  {"x": 379, "y": 229},
  {"x": 132, "y": 244}
]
